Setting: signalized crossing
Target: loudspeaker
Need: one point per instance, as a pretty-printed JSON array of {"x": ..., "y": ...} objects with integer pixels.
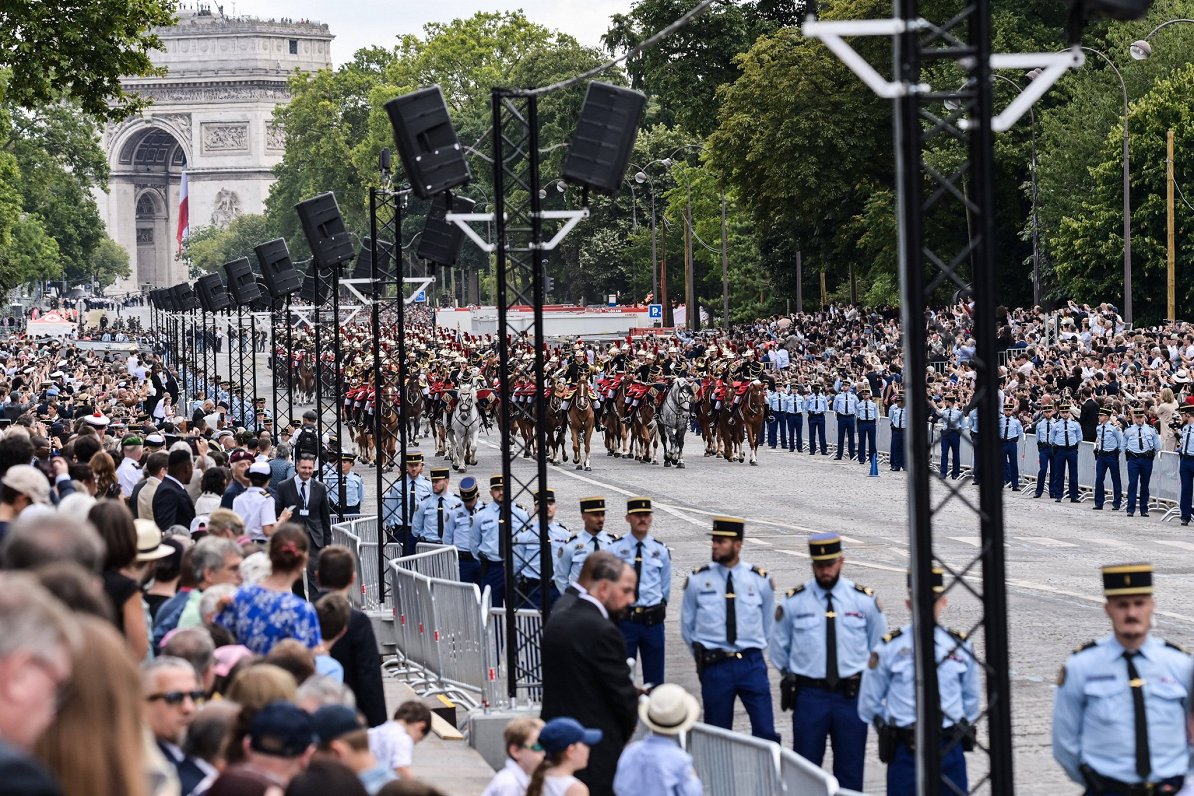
[
  {"x": 280, "y": 275},
  {"x": 166, "y": 298},
  {"x": 364, "y": 266},
  {"x": 212, "y": 295},
  {"x": 308, "y": 292},
  {"x": 154, "y": 301},
  {"x": 604, "y": 137},
  {"x": 431, "y": 153},
  {"x": 185, "y": 297},
  {"x": 264, "y": 301},
  {"x": 242, "y": 282},
  {"x": 324, "y": 229},
  {"x": 441, "y": 239}
]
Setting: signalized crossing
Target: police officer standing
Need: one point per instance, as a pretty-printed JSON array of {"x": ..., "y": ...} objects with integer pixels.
[
  {"x": 1066, "y": 435},
  {"x": 652, "y": 561},
  {"x": 528, "y": 571},
  {"x": 1119, "y": 717},
  {"x": 845, "y": 406},
  {"x": 898, "y": 416},
  {"x": 579, "y": 545},
  {"x": 354, "y": 485},
  {"x": 816, "y": 405},
  {"x": 1108, "y": 443},
  {"x": 1010, "y": 431},
  {"x": 951, "y": 436},
  {"x": 438, "y": 512},
  {"x": 1044, "y": 450},
  {"x": 774, "y": 411},
  {"x": 417, "y": 490},
  {"x": 868, "y": 421},
  {"x": 459, "y": 533},
  {"x": 823, "y": 634},
  {"x": 1185, "y": 452},
  {"x": 888, "y": 698},
  {"x": 487, "y": 535},
  {"x": 1142, "y": 443},
  {"x": 793, "y": 407},
  {"x": 726, "y": 620}
]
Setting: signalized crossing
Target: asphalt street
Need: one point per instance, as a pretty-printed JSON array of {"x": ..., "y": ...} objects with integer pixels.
[{"x": 1054, "y": 554}]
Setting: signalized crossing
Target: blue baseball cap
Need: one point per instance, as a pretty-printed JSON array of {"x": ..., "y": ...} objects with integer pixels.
[
  {"x": 281, "y": 729},
  {"x": 558, "y": 734}
]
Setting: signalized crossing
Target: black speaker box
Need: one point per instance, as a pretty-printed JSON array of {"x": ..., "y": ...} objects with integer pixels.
[
  {"x": 264, "y": 301},
  {"x": 185, "y": 297},
  {"x": 308, "y": 292},
  {"x": 242, "y": 282},
  {"x": 364, "y": 266},
  {"x": 324, "y": 229},
  {"x": 604, "y": 138},
  {"x": 441, "y": 239},
  {"x": 212, "y": 295},
  {"x": 431, "y": 153},
  {"x": 280, "y": 275}
]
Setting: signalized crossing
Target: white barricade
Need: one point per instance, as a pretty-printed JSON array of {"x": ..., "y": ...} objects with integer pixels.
[
  {"x": 529, "y": 628},
  {"x": 371, "y": 576},
  {"x": 433, "y": 560},
  {"x": 799, "y": 776},
  {"x": 732, "y": 764}
]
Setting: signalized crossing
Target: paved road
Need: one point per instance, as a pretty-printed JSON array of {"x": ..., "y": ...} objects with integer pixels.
[{"x": 1054, "y": 554}]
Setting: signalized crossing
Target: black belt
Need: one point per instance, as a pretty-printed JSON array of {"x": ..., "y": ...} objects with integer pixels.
[
  {"x": 1107, "y": 453},
  {"x": 710, "y": 657},
  {"x": 847, "y": 686},
  {"x": 1150, "y": 455},
  {"x": 811, "y": 412},
  {"x": 1184, "y": 456},
  {"x": 1044, "y": 446},
  {"x": 897, "y": 428},
  {"x": 1065, "y": 447},
  {"x": 465, "y": 555},
  {"x": 843, "y": 414},
  {"x": 647, "y": 615},
  {"x": 528, "y": 584},
  {"x": 1096, "y": 781}
]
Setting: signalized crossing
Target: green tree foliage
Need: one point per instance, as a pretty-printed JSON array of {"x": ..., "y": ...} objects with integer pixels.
[
  {"x": 30, "y": 253},
  {"x": 79, "y": 49},
  {"x": 108, "y": 262},
  {"x": 208, "y": 248}
]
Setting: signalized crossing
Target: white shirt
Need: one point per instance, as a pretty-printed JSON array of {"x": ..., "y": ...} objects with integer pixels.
[
  {"x": 510, "y": 781},
  {"x": 128, "y": 474},
  {"x": 256, "y": 507},
  {"x": 391, "y": 745}
]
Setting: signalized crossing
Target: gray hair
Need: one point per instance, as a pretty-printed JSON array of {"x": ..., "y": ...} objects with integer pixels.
[
  {"x": 150, "y": 668},
  {"x": 209, "y": 553},
  {"x": 282, "y": 450},
  {"x": 46, "y": 538},
  {"x": 31, "y": 620},
  {"x": 211, "y": 598},
  {"x": 320, "y": 690},
  {"x": 194, "y": 645}
]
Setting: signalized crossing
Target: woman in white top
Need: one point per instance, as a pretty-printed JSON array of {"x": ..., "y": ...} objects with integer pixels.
[
  {"x": 256, "y": 505},
  {"x": 566, "y": 745}
]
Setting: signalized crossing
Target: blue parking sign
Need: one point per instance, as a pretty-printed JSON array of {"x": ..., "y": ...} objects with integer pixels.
[
  {"x": 421, "y": 297},
  {"x": 655, "y": 311}
]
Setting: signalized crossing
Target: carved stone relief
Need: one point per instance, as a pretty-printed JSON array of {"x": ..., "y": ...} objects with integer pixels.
[
  {"x": 225, "y": 208},
  {"x": 275, "y": 136},
  {"x": 223, "y": 137}
]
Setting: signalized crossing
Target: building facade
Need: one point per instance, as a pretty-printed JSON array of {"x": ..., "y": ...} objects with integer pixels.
[{"x": 212, "y": 115}]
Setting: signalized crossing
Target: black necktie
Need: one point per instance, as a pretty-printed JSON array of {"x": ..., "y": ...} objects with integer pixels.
[
  {"x": 1143, "y": 765},
  {"x": 731, "y": 611},
  {"x": 638, "y": 568},
  {"x": 830, "y": 642},
  {"x": 304, "y": 494},
  {"x": 596, "y": 546},
  {"x": 439, "y": 518}
]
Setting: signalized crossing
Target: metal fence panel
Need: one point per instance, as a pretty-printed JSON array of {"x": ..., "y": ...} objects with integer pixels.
[
  {"x": 732, "y": 764},
  {"x": 460, "y": 637},
  {"x": 802, "y": 778},
  {"x": 529, "y": 628},
  {"x": 371, "y": 576}
]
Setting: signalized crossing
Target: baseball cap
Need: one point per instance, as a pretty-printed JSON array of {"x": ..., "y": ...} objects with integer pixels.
[
  {"x": 558, "y": 734},
  {"x": 310, "y": 415},
  {"x": 281, "y": 729},
  {"x": 240, "y": 455},
  {"x": 334, "y": 721},
  {"x": 29, "y": 481}
]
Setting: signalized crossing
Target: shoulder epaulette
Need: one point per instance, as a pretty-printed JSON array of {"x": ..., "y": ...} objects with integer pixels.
[
  {"x": 701, "y": 569},
  {"x": 792, "y": 592},
  {"x": 1177, "y": 647},
  {"x": 562, "y": 525},
  {"x": 571, "y": 538},
  {"x": 958, "y": 634},
  {"x": 762, "y": 573},
  {"x": 867, "y": 590},
  {"x": 1085, "y": 647},
  {"x": 614, "y": 537},
  {"x": 893, "y": 635}
]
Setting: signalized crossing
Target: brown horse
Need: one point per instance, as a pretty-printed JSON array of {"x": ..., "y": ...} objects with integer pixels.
[
  {"x": 412, "y": 404},
  {"x": 581, "y": 421},
  {"x": 730, "y": 427},
  {"x": 754, "y": 409},
  {"x": 706, "y": 418},
  {"x": 611, "y": 421},
  {"x": 644, "y": 431},
  {"x": 304, "y": 385},
  {"x": 555, "y": 427}
]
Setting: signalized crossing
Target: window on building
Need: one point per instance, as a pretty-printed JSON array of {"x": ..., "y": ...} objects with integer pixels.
[{"x": 294, "y": 46}]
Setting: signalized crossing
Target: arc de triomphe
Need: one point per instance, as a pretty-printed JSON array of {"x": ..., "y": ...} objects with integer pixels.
[{"x": 212, "y": 114}]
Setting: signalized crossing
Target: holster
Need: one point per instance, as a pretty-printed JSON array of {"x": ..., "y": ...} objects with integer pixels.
[
  {"x": 886, "y": 735},
  {"x": 967, "y": 733},
  {"x": 788, "y": 688}
]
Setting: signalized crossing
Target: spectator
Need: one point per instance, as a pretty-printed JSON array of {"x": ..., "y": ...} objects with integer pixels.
[
  {"x": 262, "y": 615},
  {"x": 172, "y": 694},
  {"x": 208, "y": 735},
  {"x": 225, "y": 523},
  {"x": 121, "y": 572},
  {"x": 319, "y": 691},
  {"x": 256, "y": 505},
  {"x": 142, "y": 497},
  {"x": 212, "y": 561},
  {"x": 104, "y": 468},
  {"x": 278, "y": 746},
  {"x": 21, "y": 486},
  {"x": 36, "y": 541},
  {"x": 215, "y": 481},
  {"x": 171, "y": 503},
  {"x": 523, "y": 756},
  {"x": 281, "y": 468},
  {"x": 167, "y": 571},
  {"x": 240, "y": 459},
  {"x": 334, "y": 613},
  {"x": 324, "y": 776},
  {"x": 357, "y": 650},
  {"x": 393, "y": 743},
  {"x": 291, "y": 655},
  {"x": 78, "y": 589},
  {"x": 195, "y": 646},
  {"x": 566, "y": 744},
  {"x": 657, "y": 763},
  {"x": 343, "y": 735},
  {"x": 106, "y": 711}
]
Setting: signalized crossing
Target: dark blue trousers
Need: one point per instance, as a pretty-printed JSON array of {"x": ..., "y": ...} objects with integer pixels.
[
  {"x": 866, "y": 440},
  {"x": 1044, "y": 457},
  {"x": 1185, "y": 473},
  {"x": 493, "y": 575},
  {"x": 951, "y": 443},
  {"x": 781, "y": 422},
  {"x": 1064, "y": 461},
  {"x": 901, "y": 771},
  {"x": 845, "y": 427},
  {"x": 819, "y": 715},
  {"x": 1104, "y": 463},
  {"x": 1011, "y": 463},
  {"x": 816, "y": 428},
  {"x": 1140, "y": 472},
  {"x": 744, "y": 678},
  {"x": 897, "y": 449},
  {"x": 772, "y": 428},
  {"x": 645, "y": 641},
  {"x": 470, "y": 571},
  {"x": 795, "y": 431}
]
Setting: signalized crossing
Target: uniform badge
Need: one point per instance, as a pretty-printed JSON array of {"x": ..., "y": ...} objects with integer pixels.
[
  {"x": 560, "y": 553},
  {"x": 874, "y": 661},
  {"x": 1061, "y": 676},
  {"x": 779, "y": 612}
]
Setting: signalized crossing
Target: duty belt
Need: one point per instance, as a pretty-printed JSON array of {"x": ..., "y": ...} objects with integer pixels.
[
  {"x": 1144, "y": 455},
  {"x": 1098, "y": 782},
  {"x": 847, "y": 686},
  {"x": 1065, "y": 447},
  {"x": 647, "y": 615}
]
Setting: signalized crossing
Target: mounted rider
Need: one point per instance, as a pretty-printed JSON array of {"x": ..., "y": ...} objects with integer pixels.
[{"x": 573, "y": 374}]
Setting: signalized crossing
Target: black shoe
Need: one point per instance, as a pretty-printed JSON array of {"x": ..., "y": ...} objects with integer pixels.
[
  {"x": 1115, "y": 508},
  {"x": 1185, "y": 522},
  {"x": 1144, "y": 514},
  {"x": 1036, "y": 495},
  {"x": 837, "y": 458},
  {"x": 1075, "y": 500},
  {"x": 1133, "y": 514},
  {"x": 1056, "y": 500},
  {"x": 1097, "y": 508},
  {"x": 1015, "y": 489}
]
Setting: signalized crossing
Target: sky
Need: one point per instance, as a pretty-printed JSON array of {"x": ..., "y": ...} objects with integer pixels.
[{"x": 361, "y": 23}]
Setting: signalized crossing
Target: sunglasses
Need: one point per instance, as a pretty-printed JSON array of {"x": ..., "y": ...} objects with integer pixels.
[{"x": 176, "y": 698}]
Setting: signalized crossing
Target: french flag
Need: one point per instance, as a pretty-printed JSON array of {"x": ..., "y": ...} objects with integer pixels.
[{"x": 184, "y": 224}]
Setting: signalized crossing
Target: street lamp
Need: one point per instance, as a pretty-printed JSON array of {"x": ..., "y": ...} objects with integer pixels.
[
  {"x": 1127, "y": 169},
  {"x": 1141, "y": 49},
  {"x": 641, "y": 177}
]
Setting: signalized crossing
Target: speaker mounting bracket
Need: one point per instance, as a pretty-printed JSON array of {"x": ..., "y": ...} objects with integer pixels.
[
  {"x": 421, "y": 283},
  {"x": 573, "y": 217}
]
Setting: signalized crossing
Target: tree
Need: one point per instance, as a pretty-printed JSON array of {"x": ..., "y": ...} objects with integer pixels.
[
  {"x": 108, "y": 262},
  {"x": 30, "y": 254},
  {"x": 209, "y": 247},
  {"x": 80, "y": 49}
]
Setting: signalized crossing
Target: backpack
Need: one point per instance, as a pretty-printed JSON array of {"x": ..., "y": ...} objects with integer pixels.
[{"x": 307, "y": 442}]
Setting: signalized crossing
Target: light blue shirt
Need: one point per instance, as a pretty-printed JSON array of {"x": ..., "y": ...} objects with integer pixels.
[
  {"x": 1066, "y": 433},
  {"x": 656, "y": 765},
  {"x": 817, "y": 403},
  {"x": 526, "y": 547},
  {"x": 774, "y": 401},
  {"x": 1186, "y": 448},
  {"x": 951, "y": 419},
  {"x": 798, "y": 638},
  {"x": 972, "y": 423},
  {"x": 889, "y": 682},
  {"x": 487, "y": 525},
  {"x": 1108, "y": 438},
  {"x": 867, "y": 410},
  {"x": 460, "y": 533},
  {"x": 426, "y": 524},
  {"x": 845, "y": 403},
  {"x": 655, "y": 580},
  {"x": 354, "y": 487},
  {"x": 392, "y": 502},
  {"x": 1010, "y": 428},
  {"x": 572, "y": 557},
  {"x": 1044, "y": 429},
  {"x": 703, "y": 616},
  {"x": 1094, "y": 715},
  {"x": 1142, "y": 438},
  {"x": 898, "y": 416}
]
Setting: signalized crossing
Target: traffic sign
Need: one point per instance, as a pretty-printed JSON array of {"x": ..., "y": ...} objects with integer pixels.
[
  {"x": 655, "y": 311},
  {"x": 421, "y": 297}
]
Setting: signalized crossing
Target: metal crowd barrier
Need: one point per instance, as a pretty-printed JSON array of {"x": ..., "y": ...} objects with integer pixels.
[
  {"x": 529, "y": 627},
  {"x": 732, "y": 764}
]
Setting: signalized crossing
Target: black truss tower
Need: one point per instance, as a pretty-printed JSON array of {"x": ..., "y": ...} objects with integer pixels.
[
  {"x": 927, "y": 194},
  {"x": 520, "y": 281},
  {"x": 282, "y": 366}
]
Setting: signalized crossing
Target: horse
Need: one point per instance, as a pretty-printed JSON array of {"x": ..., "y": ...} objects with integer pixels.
[
  {"x": 304, "y": 385},
  {"x": 581, "y": 420},
  {"x": 464, "y": 425},
  {"x": 754, "y": 409},
  {"x": 412, "y": 404},
  {"x": 729, "y": 428},
  {"x": 643, "y": 428},
  {"x": 555, "y": 427},
  {"x": 390, "y": 428},
  {"x": 673, "y": 421},
  {"x": 611, "y": 421},
  {"x": 707, "y": 420}
]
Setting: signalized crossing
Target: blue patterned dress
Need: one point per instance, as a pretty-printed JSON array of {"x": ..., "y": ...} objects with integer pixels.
[{"x": 259, "y": 618}]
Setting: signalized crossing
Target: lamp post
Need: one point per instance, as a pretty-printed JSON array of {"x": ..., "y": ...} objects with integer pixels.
[
  {"x": 641, "y": 177},
  {"x": 1127, "y": 170}
]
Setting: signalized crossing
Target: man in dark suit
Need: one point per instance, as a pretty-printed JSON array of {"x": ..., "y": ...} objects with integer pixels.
[
  {"x": 357, "y": 650},
  {"x": 171, "y": 503},
  {"x": 585, "y": 674},
  {"x": 309, "y": 499},
  {"x": 1089, "y": 415}
]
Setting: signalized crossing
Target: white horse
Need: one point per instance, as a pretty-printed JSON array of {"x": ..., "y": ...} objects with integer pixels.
[
  {"x": 673, "y": 421},
  {"x": 464, "y": 426}
]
